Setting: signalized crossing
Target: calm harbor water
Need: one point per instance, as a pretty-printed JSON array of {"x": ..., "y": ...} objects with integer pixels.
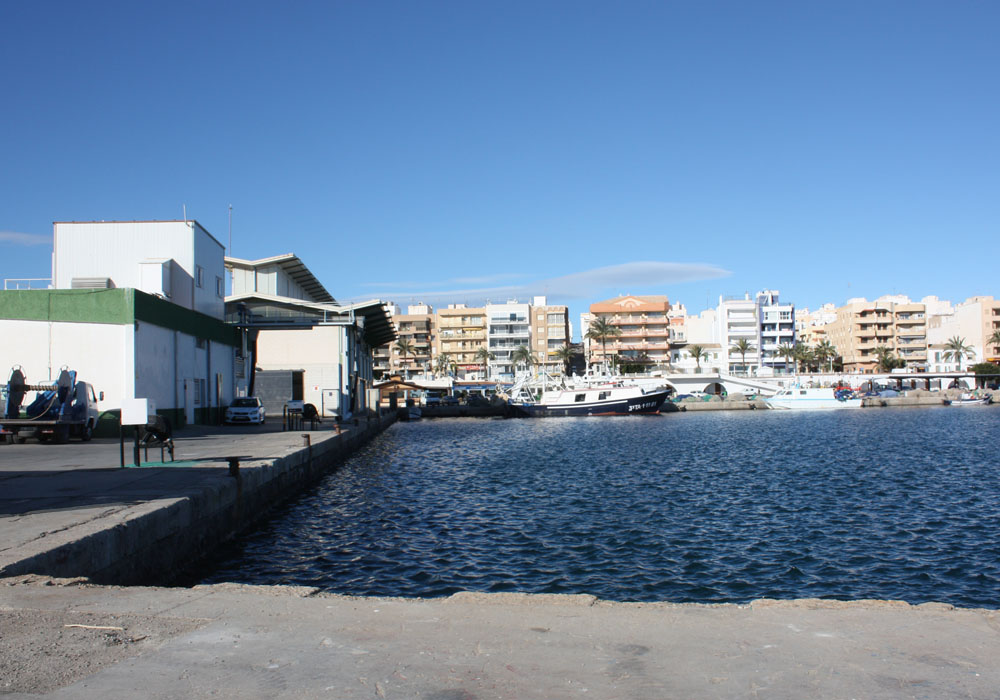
[{"x": 690, "y": 507}]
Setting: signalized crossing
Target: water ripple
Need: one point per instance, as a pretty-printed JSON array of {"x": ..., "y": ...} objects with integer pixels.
[{"x": 723, "y": 507}]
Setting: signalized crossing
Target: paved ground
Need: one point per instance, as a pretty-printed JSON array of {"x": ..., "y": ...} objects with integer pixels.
[
  {"x": 263, "y": 642},
  {"x": 58, "y": 493}
]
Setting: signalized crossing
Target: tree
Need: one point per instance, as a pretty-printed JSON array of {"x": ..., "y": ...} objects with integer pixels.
[
  {"x": 994, "y": 340},
  {"x": 483, "y": 356},
  {"x": 956, "y": 349},
  {"x": 786, "y": 352},
  {"x": 885, "y": 361},
  {"x": 444, "y": 365},
  {"x": 697, "y": 352},
  {"x": 566, "y": 355},
  {"x": 601, "y": 329},
  {"x": 804, "y": 356},
  {"x": 743, "y": 346},
  {"x": 404, "y": 346},
  {"x": 825, "y": 352},
  {"x": 522, "y": 355}
]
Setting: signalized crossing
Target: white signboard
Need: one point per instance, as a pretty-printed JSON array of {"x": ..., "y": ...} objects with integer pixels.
[{"x": 137, "y": 411}]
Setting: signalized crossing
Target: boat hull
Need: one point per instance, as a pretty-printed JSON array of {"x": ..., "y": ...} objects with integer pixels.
[
  {"x": 633, "y": 405},
  {"x": 814, "y": 405}
]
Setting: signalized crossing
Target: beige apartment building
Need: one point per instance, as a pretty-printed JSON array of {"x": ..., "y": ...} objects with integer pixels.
[
  {"x": 461, "y": 333},
  {"x": 974, "y": 320},
  {"x": 549, "y": 332},
  {"x": 893, "y": 322},
  {"x": 644, "y": 325},
  {"x": 417, "y": 327}
]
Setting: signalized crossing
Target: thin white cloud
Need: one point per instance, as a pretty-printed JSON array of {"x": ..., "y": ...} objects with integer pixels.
[
  {"x": 430, "y": 285},
  {"x": 487, "y": 279},
  {"x": 25, "y": 238},
  {"x": 627, "y": 277}
]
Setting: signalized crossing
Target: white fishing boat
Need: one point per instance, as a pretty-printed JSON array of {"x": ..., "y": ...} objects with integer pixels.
[
  {"x": 812, "y": 398},
  {"x": 973, "y": 399},
  {"x": 591, "y": 395}
]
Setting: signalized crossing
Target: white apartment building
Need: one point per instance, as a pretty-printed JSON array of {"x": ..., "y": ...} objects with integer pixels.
[
  {"x": 508, "y": 326},
  {"x": 764, "y": 322}
]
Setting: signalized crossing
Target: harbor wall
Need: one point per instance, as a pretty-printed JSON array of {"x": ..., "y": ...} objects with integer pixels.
[{"x": 160, "y": 541}]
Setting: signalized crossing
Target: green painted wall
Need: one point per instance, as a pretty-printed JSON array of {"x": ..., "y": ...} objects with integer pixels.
[
  {"x": 113, "y": 306},
  {"x": 165, "y": 314}
]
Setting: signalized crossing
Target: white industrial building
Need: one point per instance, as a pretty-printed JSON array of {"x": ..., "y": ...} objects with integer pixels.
[
  {"x": 307, "y": 348},
  {"x": 136, "y": 308}
]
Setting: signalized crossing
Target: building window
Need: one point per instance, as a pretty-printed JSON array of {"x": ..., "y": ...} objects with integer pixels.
[
  {"x": 199, "y": 275},
  {"x": 220, "y": 288},
  {"x": 200, "y": 343}
]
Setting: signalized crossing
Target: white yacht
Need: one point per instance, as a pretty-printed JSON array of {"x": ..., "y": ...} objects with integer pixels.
[{"x": 812, "y": 398}]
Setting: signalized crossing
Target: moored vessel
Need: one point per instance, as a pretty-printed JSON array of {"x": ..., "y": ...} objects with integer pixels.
[{"x": 812, "y": 398}]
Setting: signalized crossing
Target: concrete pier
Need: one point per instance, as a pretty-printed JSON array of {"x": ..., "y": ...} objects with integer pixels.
[
  {"x": 68, "y": 511},
  {"x": 72, "y": 640}
]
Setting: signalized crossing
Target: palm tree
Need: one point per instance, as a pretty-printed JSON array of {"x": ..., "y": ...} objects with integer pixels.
[
  {"x": 956, "y": 349},
  {"x": 404, "y": 346},
  {"x": 994, "y": 340},
  {"x": 743, "y": 346},
  {"x": 825, "y": 351},
  {"x": 444, "y": 365},
  {"x": 786, "y": 352},
  {"x": 886, "y": 361},
  {"x": 601, "y": 329},
  {"x": 483, "y": 356},
  {"x": 522, "y": 355},
  {"x": 697, "y": 352},
  {"x": 804, "y": 356},
  {"x": 565, "y": 355}
]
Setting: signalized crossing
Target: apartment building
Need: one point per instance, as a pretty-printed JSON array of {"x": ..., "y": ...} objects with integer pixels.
[
  {"x": 811, "y": 326},
  {"x": 645, "y": 330},
  {"x": 461, "y": 334},
  {"x": 975, "y": 320},
  {"x": 508, "y": 326},
  {"x": 893, "y": 322},
  {"x": 550, "y": 331},
  {"x": 416, "y": 328},
  {"x": 765, "y": 323}
]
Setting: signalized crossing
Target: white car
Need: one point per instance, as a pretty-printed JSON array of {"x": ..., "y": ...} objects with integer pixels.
[{"x": 245, "y": 409}]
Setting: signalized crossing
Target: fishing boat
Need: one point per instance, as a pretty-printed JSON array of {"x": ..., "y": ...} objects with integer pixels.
[
  {"x": 543, "y": 396},
  {"x": 812, "y": 398},
  {"x": 970, "y": 400}
]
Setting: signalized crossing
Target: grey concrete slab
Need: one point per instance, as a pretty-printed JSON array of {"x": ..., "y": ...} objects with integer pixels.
[
  {"x": 55, "y": 499},
  {"x": 238, "y": 641}
]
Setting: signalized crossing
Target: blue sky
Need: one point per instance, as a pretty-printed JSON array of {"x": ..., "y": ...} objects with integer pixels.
[{"x": 456, "y": 151}]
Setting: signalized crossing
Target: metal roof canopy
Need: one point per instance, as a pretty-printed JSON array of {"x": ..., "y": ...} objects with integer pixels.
[
  {"x": 294, "y": 268},
  {"x": 265, "y": 311}
]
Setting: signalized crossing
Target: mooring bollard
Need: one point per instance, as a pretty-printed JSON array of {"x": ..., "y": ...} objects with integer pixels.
[
  {"x": 234, "y": 466},
  {"x": 305, "y": 440}
]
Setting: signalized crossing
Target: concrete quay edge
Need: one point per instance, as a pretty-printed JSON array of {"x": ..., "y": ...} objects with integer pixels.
[
  {"x": 229, "y": 640},
  {"x": 138, "y": 543}
]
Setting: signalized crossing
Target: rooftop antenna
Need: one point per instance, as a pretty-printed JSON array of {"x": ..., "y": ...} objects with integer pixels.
[
  {"x": 185, "y": 206},
  {"x": 230, "y": 230}
]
